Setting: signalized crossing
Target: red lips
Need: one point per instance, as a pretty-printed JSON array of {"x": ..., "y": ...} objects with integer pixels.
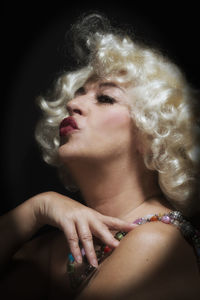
[{"x": 67, "y": 125}]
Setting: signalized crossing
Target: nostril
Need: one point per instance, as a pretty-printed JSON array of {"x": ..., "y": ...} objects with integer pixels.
[
  {"x": 72, "y": 109},
  {"x": 77, "y": 111},
  {"x": 69, "y": 109}
]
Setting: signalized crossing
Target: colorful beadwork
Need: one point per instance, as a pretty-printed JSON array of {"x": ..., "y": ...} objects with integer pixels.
[
  {"x": 174, "y": 217},
  {"x": 107, "y": 249}
]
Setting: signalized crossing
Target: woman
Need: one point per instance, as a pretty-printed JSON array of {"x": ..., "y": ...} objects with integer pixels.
[{"x": 123, "y": 129}]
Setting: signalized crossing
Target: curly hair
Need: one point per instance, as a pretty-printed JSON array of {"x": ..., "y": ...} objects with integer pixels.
[{"x": 164, "y": 106}]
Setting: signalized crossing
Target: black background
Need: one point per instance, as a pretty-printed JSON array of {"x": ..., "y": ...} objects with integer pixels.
[{"x": 33, "y": 56}]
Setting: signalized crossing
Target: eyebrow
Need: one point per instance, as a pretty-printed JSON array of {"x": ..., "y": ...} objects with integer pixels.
[
  {"x": 110, "y": 84},
  {"x": 82, "y": 89}
]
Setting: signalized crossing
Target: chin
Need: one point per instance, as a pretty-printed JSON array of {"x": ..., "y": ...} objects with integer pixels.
[{"x": 68, "y": 154}]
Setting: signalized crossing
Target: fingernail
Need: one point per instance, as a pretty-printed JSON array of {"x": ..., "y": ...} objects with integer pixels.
[
  {"x": 95, "y": 263},
  {"x": 116, "y": 243},
  {"x": 79, "y": 259},
  {"x": 133, "y": 225}
]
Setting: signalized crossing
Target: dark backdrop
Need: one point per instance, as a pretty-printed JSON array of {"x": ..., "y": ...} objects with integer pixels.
[{"x": 34, "y": 54}]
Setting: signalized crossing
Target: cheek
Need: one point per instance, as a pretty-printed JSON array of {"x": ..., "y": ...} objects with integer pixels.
[
  {"x": 117, "y": 133},
  {"x": 116, "y": 120}
]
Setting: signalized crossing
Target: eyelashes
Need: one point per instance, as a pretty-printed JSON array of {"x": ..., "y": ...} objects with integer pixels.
[{"x": 105, "y": 99}]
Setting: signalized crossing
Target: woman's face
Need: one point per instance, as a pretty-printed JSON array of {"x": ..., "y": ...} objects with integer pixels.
[{"x": 105, "y": 127}]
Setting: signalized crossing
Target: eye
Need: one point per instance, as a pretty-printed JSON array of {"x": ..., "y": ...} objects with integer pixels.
[
  {"x": 105, "y": 99},
  {"x": 79, "y": 92}
]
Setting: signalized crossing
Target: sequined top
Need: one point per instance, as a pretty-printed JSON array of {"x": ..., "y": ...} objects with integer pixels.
[{"x": 80, "y": 275}]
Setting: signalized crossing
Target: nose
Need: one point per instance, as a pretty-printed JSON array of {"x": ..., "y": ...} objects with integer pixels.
[
  {"x": 74, "y": 107},
  {"x": 80, "y": 104}
]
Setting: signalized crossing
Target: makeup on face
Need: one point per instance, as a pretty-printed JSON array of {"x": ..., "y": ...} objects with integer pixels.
[
  {"x": 105, "y": 93},
  {"x": 67, "y": 125}
]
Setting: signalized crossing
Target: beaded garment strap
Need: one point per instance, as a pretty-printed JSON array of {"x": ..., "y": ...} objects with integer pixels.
[{"x": 80, "y": 276}]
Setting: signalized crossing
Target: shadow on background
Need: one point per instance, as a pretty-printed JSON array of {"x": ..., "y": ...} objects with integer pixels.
[{"x": 35, "y": 54}]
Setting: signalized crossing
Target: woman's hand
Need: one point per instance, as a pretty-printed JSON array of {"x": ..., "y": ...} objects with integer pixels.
[{"x": 78, "y": 222}]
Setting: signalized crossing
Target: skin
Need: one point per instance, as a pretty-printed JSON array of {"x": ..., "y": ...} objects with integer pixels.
[
  {"x": 34, "y": 266},
  {"x": 98, "y": 162},
  {"x": 117, "y": 189},
  {"x": 91, "y": 148}
]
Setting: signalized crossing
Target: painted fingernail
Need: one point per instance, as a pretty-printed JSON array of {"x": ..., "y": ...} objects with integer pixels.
[
  {"x": 83, "y": 251},
  {"x": 79, "y": 259}
]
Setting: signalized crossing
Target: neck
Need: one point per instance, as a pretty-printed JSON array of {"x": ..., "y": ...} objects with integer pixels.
[{"x": 114, "y": 189}]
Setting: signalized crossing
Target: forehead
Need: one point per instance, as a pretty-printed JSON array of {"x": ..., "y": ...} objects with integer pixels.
[{"x": 93, "y": 83}]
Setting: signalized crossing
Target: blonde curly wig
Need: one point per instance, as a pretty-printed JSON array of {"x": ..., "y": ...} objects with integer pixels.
[{"x": 164, "y": 106}]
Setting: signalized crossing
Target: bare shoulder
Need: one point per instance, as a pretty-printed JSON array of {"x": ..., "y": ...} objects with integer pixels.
[
  {"x": 161, "y": 243},
  {"x": 156, "y": 236},
  {"x": 151, "y": 259}
]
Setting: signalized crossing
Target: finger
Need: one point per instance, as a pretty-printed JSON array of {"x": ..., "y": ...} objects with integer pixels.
[
  {"x": 118, "y": 224},
  {"x": 86, "y": 238},
  {"x": 73, "y": 241},
  {"x": 102, "y": 232}
]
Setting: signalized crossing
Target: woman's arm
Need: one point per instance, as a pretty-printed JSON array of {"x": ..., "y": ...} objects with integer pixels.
[
  {"x": 151, "y": 262},
  {"x": 77, "y": 221},
  {"x": 16, "y": 227}
]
